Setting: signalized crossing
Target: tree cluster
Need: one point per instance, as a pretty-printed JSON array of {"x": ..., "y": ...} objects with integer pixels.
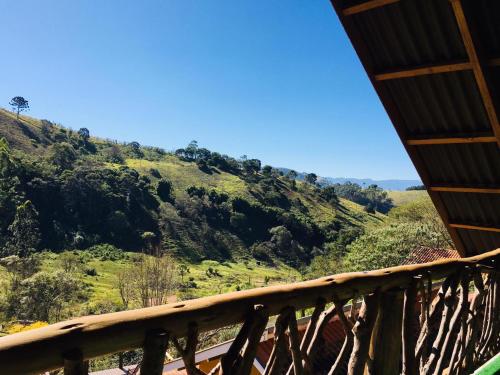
[{"x": 373, "y": 197}]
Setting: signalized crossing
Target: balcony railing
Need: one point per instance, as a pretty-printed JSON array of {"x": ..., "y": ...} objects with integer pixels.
[{"x": 402, "y": 325}]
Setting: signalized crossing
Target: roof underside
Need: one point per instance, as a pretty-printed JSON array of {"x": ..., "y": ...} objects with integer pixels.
[{"x": 435, "y": 65}]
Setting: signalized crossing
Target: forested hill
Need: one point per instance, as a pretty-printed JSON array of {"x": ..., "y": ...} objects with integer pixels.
[{"x": 64, "y": 189}]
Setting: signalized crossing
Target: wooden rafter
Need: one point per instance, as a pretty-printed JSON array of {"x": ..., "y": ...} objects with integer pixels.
[
  {"x": 367, "y": 6},
  {"x": 449, "y": 189},
  {"x": 494, "y": 62},
  {"x": 416, "y": 71},
  {"x": 477, "y": 67},
  {"x": 475, "y": 227},
  {"x": 425, "y": 70},
  {"x": 454, "y": 140}
]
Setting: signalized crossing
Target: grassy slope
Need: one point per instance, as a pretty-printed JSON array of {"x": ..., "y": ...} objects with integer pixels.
[
  {"x": 184, "y": 174},
  {"x": 402, "y": 197},
  {"x": 248, "y": 274},
  {"x": 24, "y": 134}
]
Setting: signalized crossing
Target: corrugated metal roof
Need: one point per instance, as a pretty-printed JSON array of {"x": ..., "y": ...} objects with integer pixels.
[{"x": 408, "y": 34}]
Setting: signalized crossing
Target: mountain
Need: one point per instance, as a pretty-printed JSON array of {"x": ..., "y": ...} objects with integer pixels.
[
  {"x": 392, "y": 184},
  {"x": 198, "y": 204}
]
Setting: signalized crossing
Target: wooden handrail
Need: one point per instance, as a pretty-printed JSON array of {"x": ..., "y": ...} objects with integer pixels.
[{"x": 93, "y": 336}]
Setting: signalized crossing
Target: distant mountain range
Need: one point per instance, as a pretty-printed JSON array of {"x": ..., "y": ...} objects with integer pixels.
[{"x": 395, "y": 184}]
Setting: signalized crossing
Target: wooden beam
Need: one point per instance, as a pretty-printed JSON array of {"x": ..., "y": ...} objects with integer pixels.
[
  {"x": 477, "y": 68},
  {"x": 386, "y": 336},
  {"x": 475, "y": 227},
  {"x": 449, "y": 141},
  {"x": 449, "y": 189},
  {"x": 425, "y": 70},
  {"x": 494, "y": 62},
  {"x": 369, "y": 5}
]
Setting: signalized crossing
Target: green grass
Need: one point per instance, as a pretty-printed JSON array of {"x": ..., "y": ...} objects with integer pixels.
[
  {"x": 233, "y": 276},
  {"x": 402, "y": 197},
  {"x": 185, "y": 174}
]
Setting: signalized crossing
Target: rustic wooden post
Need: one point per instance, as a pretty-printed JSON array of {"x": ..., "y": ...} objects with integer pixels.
[
  {"x": 189, "y": 352},
  {"x": 461, "y": 308},
  {"x": 155, "y": 347},
  {"x": 306, "y": 339},
  {"x": 295, "y": 345},
  {"x": 362, "y": 334},
  {"x": 408, "y": 336},
  {"x": 473, "y": 323},
  {"x": 261, "y": 318},
  {"x": 491, "y": 317},
  {"x": 425, "y": 336},
  {"x": 279, "y": 353},
  {"x": 385, "y": 346},
  {"x": 449, "y": 302},
  {"x": 317, "y": 340},
  {"x": 349, "y": 337},
  {"x": 74, "y": 363}
]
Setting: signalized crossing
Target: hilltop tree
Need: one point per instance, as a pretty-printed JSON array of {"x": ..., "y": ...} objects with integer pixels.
[
  {"x": 84, "y": 134},
  {"x": 311, "y": 178},
  {"x": 267, "y": 170},
  {"x": 191, "y": 150},
  {"x": 292, "y": 175},
  {"x": 24, "y": 231},
  {"x": 251, "y": 166},
  {"x": 19, "y": 104}
]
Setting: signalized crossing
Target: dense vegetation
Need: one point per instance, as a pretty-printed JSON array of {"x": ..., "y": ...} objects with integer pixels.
[
  {"x": 62, "y": 189},
  {"x": 78, "y": 214}
]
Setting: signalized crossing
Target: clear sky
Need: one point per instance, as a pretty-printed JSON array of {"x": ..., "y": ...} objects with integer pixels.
[{"x": 275, "y": 80}]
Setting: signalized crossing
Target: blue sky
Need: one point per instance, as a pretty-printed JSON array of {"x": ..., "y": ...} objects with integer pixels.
[{"x": 275, "y": 80}]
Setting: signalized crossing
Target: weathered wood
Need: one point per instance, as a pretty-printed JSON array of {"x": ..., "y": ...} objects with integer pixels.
[
  {"x": 189, "y": 351},
  {"x": 465, "y": 361},
  {"x": 261, "y": 318},
  {"x": 362, "y": 333},
  {"x": 449, "y": 141},
  {"x": 317, "y": 339},
  {"x": 475, "y": 227},
  {"x": 345, "y": 351},
  {"x": 308, "y": 335},
  {"x": 385, "y": 347},
  {"x": 454, "y": 326},
  {"x": 459, "y": 346},
  {"x": 424, "y": 337},
  {"x": 278, "y": 354},
  {"x": 424, "y": 70},
  {"x": 492, "y": 320},
  {"x": 477, "y": 66},
  {"x": 298, "y": 368},
  {"x": 96, "y": 335},
  {"x": 367, "y": 5},
  {"x": 74, "y": 363},
  {"x": 449, "y": 301},
  {"x": 232, "y": 358},
  {"x": 155, "y": 347},
  {"x": 407, "y": 337},
  {"x": 456, "y": 189}
]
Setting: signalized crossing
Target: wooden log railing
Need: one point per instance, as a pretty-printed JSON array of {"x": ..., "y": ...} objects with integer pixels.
[{"x": 400, "y": 318}]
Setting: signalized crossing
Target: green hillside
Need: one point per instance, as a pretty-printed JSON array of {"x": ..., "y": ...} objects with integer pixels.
[
  {"x": 403, "y": 197},
  {"x": 201, "y": 205}
]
